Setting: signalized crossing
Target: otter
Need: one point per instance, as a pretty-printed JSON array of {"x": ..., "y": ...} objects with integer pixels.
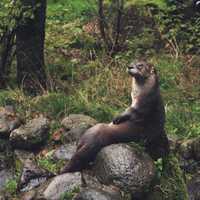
[{"x": 142, "y": 121}]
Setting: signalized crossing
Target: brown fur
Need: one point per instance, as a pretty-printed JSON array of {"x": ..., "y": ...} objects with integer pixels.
[{"x": 143, "y": 121}]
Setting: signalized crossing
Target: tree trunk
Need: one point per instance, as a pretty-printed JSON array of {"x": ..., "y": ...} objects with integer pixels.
[
  {"x": 6, "y": 55},
  {"x": 30, "y": 37},
  {"x": 111, "y": 37},
  {"x": 2, "y": 66}
]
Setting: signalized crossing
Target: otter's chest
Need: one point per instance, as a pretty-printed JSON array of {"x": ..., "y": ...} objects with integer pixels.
[{"x": 136, "y": 91}]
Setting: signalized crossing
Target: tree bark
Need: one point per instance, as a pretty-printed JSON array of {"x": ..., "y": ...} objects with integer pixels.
[
  {"x": 2, "y": 64},
  {"x": 30, "y": 37},
  {"x": 102, "y": 26},
  {"x": 6, "y": 55},
  {"x": 111, "y": 38}
]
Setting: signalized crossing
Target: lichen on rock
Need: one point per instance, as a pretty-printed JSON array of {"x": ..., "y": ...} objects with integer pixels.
[
  {"x": 130, "y": 169},
  {"x": 30, "y": 135}
]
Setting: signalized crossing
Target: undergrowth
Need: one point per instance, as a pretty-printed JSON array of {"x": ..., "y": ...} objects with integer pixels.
[
  {"x": 171, "y": 184},
  {"x": 107, "y": 92}
]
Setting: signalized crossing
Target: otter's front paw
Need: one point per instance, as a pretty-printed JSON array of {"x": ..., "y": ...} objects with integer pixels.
[{"x": 121, "y": 118}]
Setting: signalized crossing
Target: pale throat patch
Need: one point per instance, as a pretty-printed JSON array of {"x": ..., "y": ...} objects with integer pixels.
[{"x": 136, "y": 90}]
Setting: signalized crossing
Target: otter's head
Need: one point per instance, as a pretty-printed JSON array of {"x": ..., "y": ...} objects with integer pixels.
[{"x": 141, "y": 70}]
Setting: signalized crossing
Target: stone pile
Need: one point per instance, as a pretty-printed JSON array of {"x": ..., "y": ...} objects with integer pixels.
[{"x": 120, "y": 171}]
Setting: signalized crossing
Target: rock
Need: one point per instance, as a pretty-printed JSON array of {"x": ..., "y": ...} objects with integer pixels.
[
  {"x": 194, "y": 188},
  {"x": 4, "y": 145},
  {"x": 6, "y": 160},
  {"x": 61, "y": 185},
  {"x": 74, "y": 134},
  {"x": 3, "y": 163},
  {"x": 32, "y": 176},
  {"x": 6, "y": 154},
  {"x": 21, "y": 156},
  {"x": 5, "y": 176},
  {"x": 8, "y": 121},
  {"x": 97, "y": 194},
  {"x": 65, "y": 152},
  {"x": 31, "y": 135},
  {"x": 28, "y": 195},
  {"x": 75, "y": 120},
  {"x": 75, "y": 125},
  {"x": 2, "y": 197},
  {"x": 127, "y": 168},
  {"x": 90, "y": 181}
]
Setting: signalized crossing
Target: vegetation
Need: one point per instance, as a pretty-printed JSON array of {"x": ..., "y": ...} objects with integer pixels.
[
  {"x": 84, "y": 76},
  {"x": 70, "y": 195},
  {"x": 171, "y": 185},
  {"x": 11, "y": 187},
  {"x": 50, "y": 165}
]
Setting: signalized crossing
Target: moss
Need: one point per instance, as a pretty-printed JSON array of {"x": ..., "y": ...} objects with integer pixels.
[
  {"x": 172, "y": 185},
  {"x": 70, "y": 194},
  {"x": 50, "y": 165},
  {"x": 11, "y": 187},
  {"x": 18, "y": 165}
]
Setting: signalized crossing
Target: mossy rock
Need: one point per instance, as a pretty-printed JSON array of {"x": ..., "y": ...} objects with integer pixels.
[{"x": 171, "y": 185}]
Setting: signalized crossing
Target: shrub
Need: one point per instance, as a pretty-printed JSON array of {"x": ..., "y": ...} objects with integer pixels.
[{"x": 180, "y": 26}]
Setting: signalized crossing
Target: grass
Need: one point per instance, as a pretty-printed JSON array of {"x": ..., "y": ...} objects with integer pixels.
[
  {"x": 106, "y": 92},
  {"x": 159, "y": 3},
  {"x": 11, "y": 187},
  {"x": 69, "y": 10}
]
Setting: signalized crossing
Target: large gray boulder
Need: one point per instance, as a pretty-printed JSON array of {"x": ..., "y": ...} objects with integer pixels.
[
  {"x": 97, "y": 194},
  {"x": 8, "y": 121},
  {"x": 60, "y": 185},
  {"x": 31, "y": 135},
  {"x": 95, "y": 190},
  {"x": 75, "y": 125},
  {"x": 126, "y": 167}
]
